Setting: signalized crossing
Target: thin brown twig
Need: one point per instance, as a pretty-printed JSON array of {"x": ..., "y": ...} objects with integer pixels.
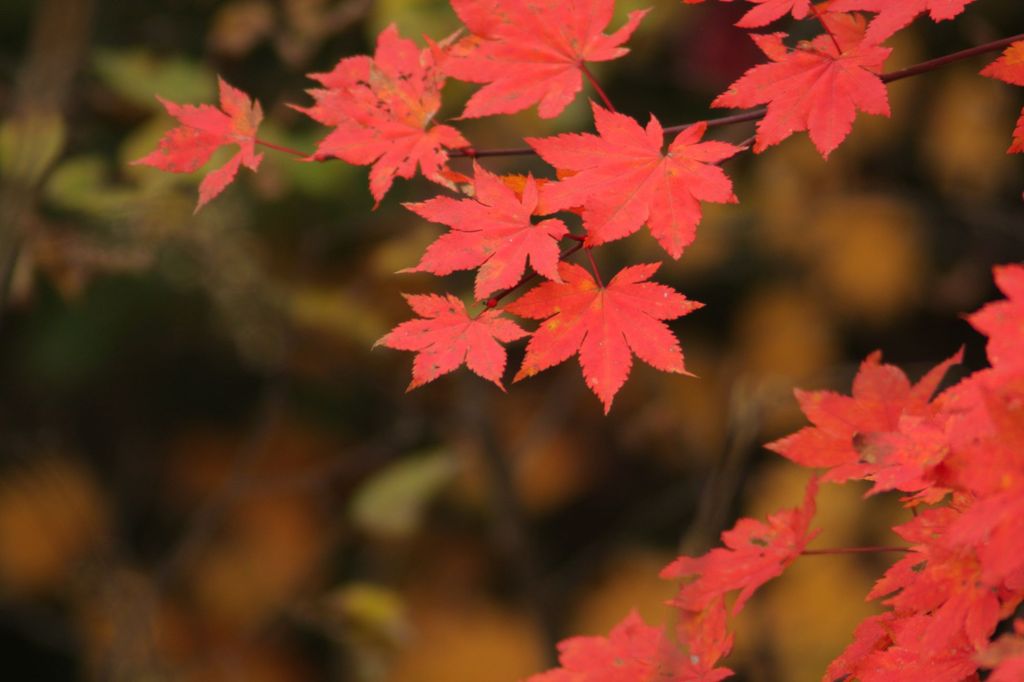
[
  {"x": 933, "y": 64},
  {"x": 853, "y": 550}
]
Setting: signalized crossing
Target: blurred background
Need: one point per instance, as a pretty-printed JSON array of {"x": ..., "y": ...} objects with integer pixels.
[{"x": 207, "y": 475}]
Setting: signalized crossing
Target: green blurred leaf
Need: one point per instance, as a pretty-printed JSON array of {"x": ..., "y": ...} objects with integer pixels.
[
  {"x": 391, "y": 504},
  {"x": 368, "y": 610},
  {"x": 336, "y": 312},
  {"x": 29, "y": 145},
  {"x": 138, "y": 76},
  {"x": 415, "y": 18},
  {"x": 81, "y": 184}
]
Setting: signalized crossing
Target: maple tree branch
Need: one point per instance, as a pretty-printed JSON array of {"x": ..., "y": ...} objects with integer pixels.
[
  {"x": 510, "y": 526},
  {"x": 758, "y": 114},
  {"x": 932, "y": 64},
  {"x": 853, "y": 550},
  {"x": 746, "y": 116},
  {"x": 207, "y": 518},
  {"x": 597, "y": 87}
]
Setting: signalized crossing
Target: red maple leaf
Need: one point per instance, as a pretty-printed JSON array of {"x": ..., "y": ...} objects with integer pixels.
[
  {"x": 532, "y": 51},
  {"x": 706, "y": 638},
  {"x": 888, "y": 649},
  {"x": 986, "y": 443},
  {"x": 1003, "y": 321},
  {"x": 492, "y": 231},
  {"x": 622, "y": 180},
  {"x": 1017, "y": 146},
  {"x": 632, "y": 652},
  {"x": 992, "y": 527},
  {"x": 203, "y": 130},
  {"x": 986, "y": 438},
  {"x": 873, "y": 634},
  {"x": 1010, "y": 68},
  {"x": 858, "y": 436},
  {"x": 986, "y": 461},
  {"x": 754, "y": 553},
  {"x": 447, "y": 337},
  {"x": 896, "y": 14},
  {"x": 768, "y": 11},
  {"x": 943, "y": 579},
  {"x": 815, "y": 87},
  {"x": 606, "y": 325},
  {"x": 382, "y": 109}
]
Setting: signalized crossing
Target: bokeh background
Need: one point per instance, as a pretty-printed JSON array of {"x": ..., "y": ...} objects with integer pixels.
[{"x": 205, "y": 472}]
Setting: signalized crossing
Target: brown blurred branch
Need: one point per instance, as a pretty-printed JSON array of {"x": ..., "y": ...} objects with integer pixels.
[
  {"x": 61, "y": 31},
  {"x": 746, "y": 405},
  {"x": 511, "y": 530},
  {"x": 206, "y": 521}
]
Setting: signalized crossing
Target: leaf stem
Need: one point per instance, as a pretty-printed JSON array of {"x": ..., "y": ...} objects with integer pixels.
[
  {"x": 824, "y": 25},
  {"x": 853, "y": 550},
  {"x": 593, "y": 266},
  {"x": 472, "y": 153},
  {"x": 496, "y": 298},
  {"x": 281, "y": 148},
  {"x": 597, "y": 88}
]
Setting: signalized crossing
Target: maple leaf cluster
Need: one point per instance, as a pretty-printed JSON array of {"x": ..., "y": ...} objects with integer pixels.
[
  {"x": 607, "y": 185},
  {"x": 958, "y": 459}
]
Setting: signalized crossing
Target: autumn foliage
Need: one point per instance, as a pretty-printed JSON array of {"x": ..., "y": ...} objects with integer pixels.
[{"x": 956, "y": 455}]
